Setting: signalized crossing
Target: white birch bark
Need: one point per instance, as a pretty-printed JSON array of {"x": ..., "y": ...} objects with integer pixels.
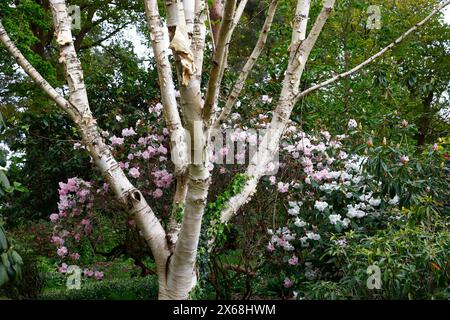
[
  {"x": 131, "y": 198},
  {"x": 189, "y": 15},
  {"x": 270, "y": 144},
  {"x": 198, "y": 38},
  {"x": 161, "y": 52},
  {"x": 181, "y": 273}
]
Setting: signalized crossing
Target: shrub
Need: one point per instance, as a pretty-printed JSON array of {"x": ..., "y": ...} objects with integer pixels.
[{"x": 119, "y": 289}]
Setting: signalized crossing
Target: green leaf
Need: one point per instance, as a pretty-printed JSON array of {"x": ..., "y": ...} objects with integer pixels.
[
  {"x": 4, "y": 180},
  {"x": 17, "y": 258},
  {"x": 3, "y": 275},
  {"x": 3, "y": 242},
  {"x": 4, "y": 259}
]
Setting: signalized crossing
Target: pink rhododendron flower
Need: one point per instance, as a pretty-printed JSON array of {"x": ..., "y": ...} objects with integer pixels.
[
  {"x": 142, "y": 141},
  {"x": 115, "y": 141},
  {"x": 74, "y": 256},
  {"x": 63, "y": 268},
  {"x": 62, "y": 252},
  {"x": 145, "y": 155},
  {"x": 128, "y": 132},
  {"x": 134, "y": 172},
  {"x": 162, "y": 178},
  {"x": 287, "y": 283},
  {"x": 162, "y": 149},
  {"x": 58, "y": 241},
  {"x": 88, "y": 273},
  {"x": 157, "y": 193},
  {"x": 293, "y": 261},
  {"x": 283, "y": 187},
  {"x": 98, "y": 275},
  {"x": 54, "y": 217}
]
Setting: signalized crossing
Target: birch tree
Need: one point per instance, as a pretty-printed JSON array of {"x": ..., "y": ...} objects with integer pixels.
[{"x": 193, "y": 118}]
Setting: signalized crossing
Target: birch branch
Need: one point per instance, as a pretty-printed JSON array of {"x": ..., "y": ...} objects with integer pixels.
[
  {"x": 375, "y": 56},
  {"x": 36, "y": 76},
  {"x": 300, "y": 50},
  {"x": 219, "y": 62},
  {"x": 180, "y": 269},
  {"x": 240, "y": 82},
  {"x": 238, "y": 14},
  {"x": 131, "y": 198},
  {"x": 271, "y": 140},
  {"x": 199, "y": 36},
  {"x": 177, "y": 133},
  {"x": 189, "y": 14},
  {"x": 299, "y": 32}
]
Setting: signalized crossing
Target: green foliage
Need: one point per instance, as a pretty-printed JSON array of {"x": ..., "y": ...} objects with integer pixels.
[
  {"x": 215, "y": 228},
  {"x": 214, "y": 232},
  {"x": 10, "y": 261},
  {"x": 118, "y": 289},
  {"x": 413, "y": 260}
]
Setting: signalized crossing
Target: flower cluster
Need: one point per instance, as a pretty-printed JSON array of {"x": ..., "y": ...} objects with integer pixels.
[{"x": 328, "y": 194}]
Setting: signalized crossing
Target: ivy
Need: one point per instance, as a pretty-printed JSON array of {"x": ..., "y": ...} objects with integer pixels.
[{"x": 212, "y": 227}]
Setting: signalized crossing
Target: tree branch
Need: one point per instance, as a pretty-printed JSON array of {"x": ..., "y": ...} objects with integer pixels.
[
  {"x": 177, "y": 133},
  {"x": 271, "y": 140},
  {"x": 131, "y": 198},
  {"x": 219, "y": 60},
  {"x": 198, "y": 38},
  {"x": 240, "y": 82},
  {"x": 36, "y": 76},
  {"x": 374, "y": 57}
]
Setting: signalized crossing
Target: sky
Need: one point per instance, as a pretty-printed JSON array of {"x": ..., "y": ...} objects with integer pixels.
[{"x": 143, "y": 51}]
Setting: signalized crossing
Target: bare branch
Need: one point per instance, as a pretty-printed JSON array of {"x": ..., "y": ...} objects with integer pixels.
[
  {"x": 173, "y": 120},
  {"x": 374, "y": 57},
  {"x": 198, "y": 38},
  {"x": 270, "y": 142},
  {"x": 238, "y": 14},
  {"x": 240, "y": 82},
  {"x": 189, "y": 14},
  {"x": 219, "y": 62},
  {"x": 36, "y": 76}
]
